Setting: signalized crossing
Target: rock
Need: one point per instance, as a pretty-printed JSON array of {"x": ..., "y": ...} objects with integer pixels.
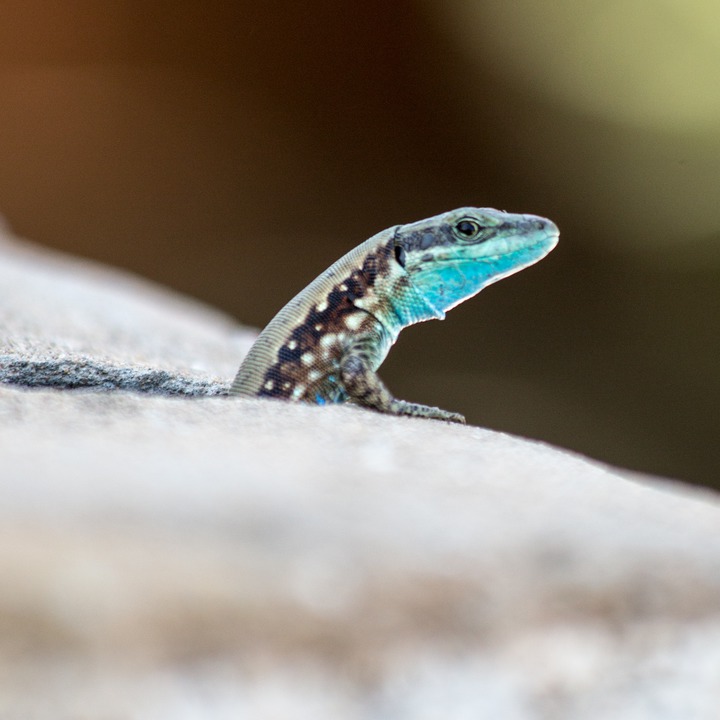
[
  {"x": 68, "y": 323},
  {"x": 168, "y": 552}
]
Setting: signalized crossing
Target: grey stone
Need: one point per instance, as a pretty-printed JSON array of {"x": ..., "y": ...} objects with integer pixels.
[{"x": 168, "y": 553}]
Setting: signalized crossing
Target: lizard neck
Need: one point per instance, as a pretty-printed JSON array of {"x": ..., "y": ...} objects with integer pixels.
[{"x": 408, "y": 306}]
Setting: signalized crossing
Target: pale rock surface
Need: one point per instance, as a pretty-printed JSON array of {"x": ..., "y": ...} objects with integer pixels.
[{"x": 195, "y": 556}]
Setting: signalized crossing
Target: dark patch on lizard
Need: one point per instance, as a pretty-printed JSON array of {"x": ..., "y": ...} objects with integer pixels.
[
  {"x": 289, "y": 371},
  {"x": 424, "y": 239}
]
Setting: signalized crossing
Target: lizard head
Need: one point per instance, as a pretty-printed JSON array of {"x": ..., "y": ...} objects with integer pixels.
[{"x": 451, "y": 257}]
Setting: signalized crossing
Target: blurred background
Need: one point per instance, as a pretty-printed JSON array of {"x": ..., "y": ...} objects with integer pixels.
[{"x": 233, "y": 150}]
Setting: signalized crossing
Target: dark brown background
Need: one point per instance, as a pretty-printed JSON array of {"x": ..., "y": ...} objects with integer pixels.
[{"x": 234, "y": 150}]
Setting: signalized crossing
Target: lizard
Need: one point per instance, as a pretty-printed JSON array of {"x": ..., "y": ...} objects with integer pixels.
[{"x": 327, "y": 343}]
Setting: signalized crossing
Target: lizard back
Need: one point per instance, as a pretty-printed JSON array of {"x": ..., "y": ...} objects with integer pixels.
[{"x": 297, "y": 353}]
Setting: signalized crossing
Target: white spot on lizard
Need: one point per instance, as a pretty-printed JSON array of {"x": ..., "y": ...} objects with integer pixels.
[
  {"x": 353, "y": 321},
  {"x": 326, "y": 341}
]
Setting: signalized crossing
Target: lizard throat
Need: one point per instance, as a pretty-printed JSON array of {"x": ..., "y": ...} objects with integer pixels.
[{"x": 413, "y": 307}]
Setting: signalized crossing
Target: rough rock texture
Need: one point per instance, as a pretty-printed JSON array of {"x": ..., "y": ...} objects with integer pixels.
[
  {"x": 205, "y": 557},
  {"x": 69, "y": 324}
]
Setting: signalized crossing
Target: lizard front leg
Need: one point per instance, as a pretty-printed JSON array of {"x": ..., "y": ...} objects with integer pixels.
[{"x": 364, "y": 387}]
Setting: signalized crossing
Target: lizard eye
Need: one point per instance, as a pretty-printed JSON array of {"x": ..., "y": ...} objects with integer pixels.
[
  {"x": 466, "y": 229},
  {"x": 400, "y": 255}
]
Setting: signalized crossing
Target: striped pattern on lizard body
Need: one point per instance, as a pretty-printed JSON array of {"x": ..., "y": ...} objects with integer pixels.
[{"x": 327, "y": 342}]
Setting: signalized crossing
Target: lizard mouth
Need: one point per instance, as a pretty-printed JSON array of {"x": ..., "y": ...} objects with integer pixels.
[{"x": 490, "y": 258}]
